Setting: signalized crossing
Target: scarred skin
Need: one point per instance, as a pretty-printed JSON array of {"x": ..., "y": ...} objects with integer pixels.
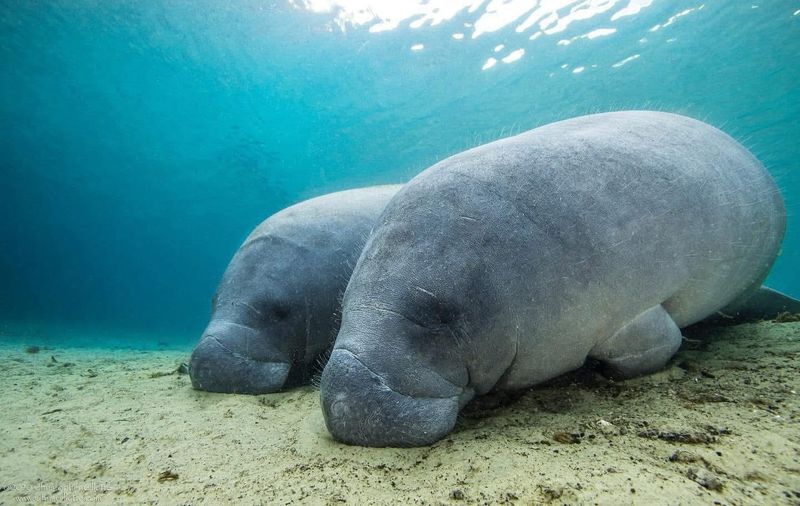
[
  {"x": 275, "y": 312},
  {"x": 511, "y": 263}
]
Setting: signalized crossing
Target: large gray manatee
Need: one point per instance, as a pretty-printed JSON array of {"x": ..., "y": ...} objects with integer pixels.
[
  {"x": 276, "y": 309},
  {"x": 511, "y": 263}
]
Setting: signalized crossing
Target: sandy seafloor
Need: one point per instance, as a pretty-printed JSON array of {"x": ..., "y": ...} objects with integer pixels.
[{"x": 720, "y": 425}]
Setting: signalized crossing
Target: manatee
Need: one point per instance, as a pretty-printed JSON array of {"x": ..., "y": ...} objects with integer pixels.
[
  {"x": 276, "y": 309},
  {"x": 509, "y": 264}
]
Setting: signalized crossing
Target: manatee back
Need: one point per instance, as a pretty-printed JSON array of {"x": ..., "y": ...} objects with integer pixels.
[
  {"x": 338, "y": 214},
  {"x": 656, "y": 205}
]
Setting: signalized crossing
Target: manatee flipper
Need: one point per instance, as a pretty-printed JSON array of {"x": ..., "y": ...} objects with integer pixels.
[
  {"x": 760, "y": 304},
  {"x": 642, "y": 346}
]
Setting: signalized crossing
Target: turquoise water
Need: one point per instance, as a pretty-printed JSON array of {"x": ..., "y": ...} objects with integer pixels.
[{"x": 141, "y": 141}]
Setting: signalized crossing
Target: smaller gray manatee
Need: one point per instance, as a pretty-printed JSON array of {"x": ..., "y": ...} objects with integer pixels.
[{"x": 275, "y": 312}]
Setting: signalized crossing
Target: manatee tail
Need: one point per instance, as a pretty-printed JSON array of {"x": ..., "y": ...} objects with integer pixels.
[{"x": 761, "y": 304}]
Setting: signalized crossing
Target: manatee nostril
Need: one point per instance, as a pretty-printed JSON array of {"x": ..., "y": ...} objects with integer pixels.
[{"x": 339, "y": 407}]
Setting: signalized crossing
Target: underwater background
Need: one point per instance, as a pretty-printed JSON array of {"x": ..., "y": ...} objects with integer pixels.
[{"x": 140, "y": 142}]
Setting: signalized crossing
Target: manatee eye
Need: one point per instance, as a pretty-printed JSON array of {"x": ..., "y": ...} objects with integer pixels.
[
  {"x": 279, "y": 311},
  {"x": 445, "y": 313}
]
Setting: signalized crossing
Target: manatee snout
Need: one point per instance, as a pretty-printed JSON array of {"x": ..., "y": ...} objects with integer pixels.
[
  {"x": 361, "y": 409},
  {"x": 234, "y": 359}
]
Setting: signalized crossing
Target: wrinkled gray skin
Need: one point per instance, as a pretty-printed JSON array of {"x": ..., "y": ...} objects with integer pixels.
[
  {"x": 276, "y": 309},
  {"x": 511, "y": 263}
]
